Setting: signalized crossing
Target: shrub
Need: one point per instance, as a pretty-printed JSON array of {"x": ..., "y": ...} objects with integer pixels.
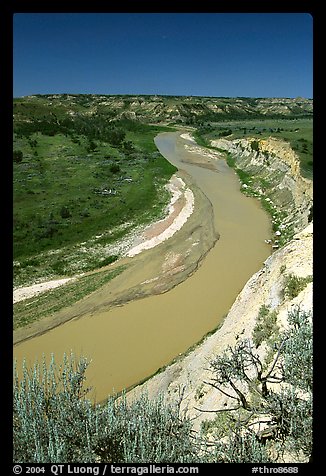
[
  {"x": 266, "y": 325},
  {"x": 108, "y": 260},
  {"x": 58, "y": 267},
  {"x": 277, "y": 394},
  {"x": 241, "y": 448},
  {"x": 49, "y": 231},
  {"x": 65, "y": 212},
  {"x": 255, "y": 145},
  {"x": 294, "y": 285},
  {"x": 298, "y": 348},
  {"x": 115, "y": 168},
  {"x": 17, "y": 156},
  {"x": 116, "y": 136},
  {"x": 55, "y": 422},
  {"x": 230, "y": 159}
]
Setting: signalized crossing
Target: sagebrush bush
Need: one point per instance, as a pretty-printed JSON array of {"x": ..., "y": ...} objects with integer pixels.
[
  {"x": 55, "y": 422},
  {"x": 269, "y": 415},
  {"x": 293, "y": 285},
  {"x": 270, "y": 403},
  {"x": 266, "y": 325}
]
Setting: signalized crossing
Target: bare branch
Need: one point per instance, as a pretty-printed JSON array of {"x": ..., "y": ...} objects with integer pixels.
[
  {"x": 276, "y": 358},
  {"x": 222, "y": 391},
  {"x": 240, "y": 394},
  {"x": 259, "y": 421},
  {"x": 219, "y": 410},
  {"x": 274, "y": 379}
]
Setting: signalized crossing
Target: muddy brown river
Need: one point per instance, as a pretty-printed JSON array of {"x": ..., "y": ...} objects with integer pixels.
[{"x": 127, "y": 344}]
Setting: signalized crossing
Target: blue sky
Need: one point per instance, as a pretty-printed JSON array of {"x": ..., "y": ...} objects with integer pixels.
[{"x": 199, "y": 54}]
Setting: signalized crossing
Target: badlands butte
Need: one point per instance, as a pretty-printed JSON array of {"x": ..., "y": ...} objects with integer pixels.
[{"x": 268, "y": 142}]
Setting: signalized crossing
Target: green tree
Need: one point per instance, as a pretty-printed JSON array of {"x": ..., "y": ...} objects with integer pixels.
[
  {"x": 65, "y": 212},
  {"x": 255, "y": 145},
  {"x": 116, "y": 136},
  {"x": 18, "y": 156},
  {"x": 266, "y": 325},
  {"x": 91, "y": 146},
  {"x": 127, "y": 146},
  {"x": 271, "y": 402},
  {"x": 115, "y": 168}
]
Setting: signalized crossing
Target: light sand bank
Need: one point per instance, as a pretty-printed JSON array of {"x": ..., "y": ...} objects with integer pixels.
[{"x": 179, "y": 209}]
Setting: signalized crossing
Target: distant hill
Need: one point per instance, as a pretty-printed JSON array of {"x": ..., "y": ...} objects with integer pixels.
[{"x": 159, "y": 109}]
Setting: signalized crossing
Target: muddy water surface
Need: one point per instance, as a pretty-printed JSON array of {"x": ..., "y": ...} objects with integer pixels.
[{"x": 129, "y": 343}]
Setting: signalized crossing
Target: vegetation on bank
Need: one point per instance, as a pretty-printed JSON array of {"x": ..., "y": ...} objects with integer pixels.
[
  {"x": 55, "y": 422},
  {"x": 295, "y": 284},
  {"x": 270, "y": 418},
  {"x": 271, "y": 415},
  {"x": 86, "y": 169},
  {"x": 260, "y": 188},
  {"x": 297, "y": 131},
  {"x": 80, "y": 180},
  {"x": 37, "y": 307}
]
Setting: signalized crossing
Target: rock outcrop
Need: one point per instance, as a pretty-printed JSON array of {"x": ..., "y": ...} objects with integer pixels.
[
  {"x": 274, "y": 161},
  {"x": 266, "y": 287},
  {"x": 167, "y": 109},
  {"x": 276, "y": 174}
]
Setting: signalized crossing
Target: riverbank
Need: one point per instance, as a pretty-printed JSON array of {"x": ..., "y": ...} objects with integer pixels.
[
  {"x": 128, "y": 338},
  {"x": 189, "y": 372},
  {"x": 178, "y": 211},
  {"x": 184, "y": 237}
]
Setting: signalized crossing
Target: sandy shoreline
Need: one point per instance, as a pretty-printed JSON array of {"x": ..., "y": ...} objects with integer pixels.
[
  {"x": 179, "y": 209},
  {"x": 26, "y": 292}
]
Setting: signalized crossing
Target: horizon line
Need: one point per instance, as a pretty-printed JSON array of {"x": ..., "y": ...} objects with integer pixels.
[{"x": 162, "y": 95}]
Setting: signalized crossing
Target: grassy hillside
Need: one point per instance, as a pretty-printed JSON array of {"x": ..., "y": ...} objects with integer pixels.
[
  {"x": 77, "y": 180},
  {"x": 86, "y": 170}
]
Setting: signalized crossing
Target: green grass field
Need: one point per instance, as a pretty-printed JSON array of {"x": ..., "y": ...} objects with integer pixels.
[{"x": 69, "y": 188}]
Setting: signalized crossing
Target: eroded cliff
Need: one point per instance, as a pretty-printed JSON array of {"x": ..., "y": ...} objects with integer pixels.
[
  {"x": 291, "y": 193},
  {"x": 274, "y": 169}
]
